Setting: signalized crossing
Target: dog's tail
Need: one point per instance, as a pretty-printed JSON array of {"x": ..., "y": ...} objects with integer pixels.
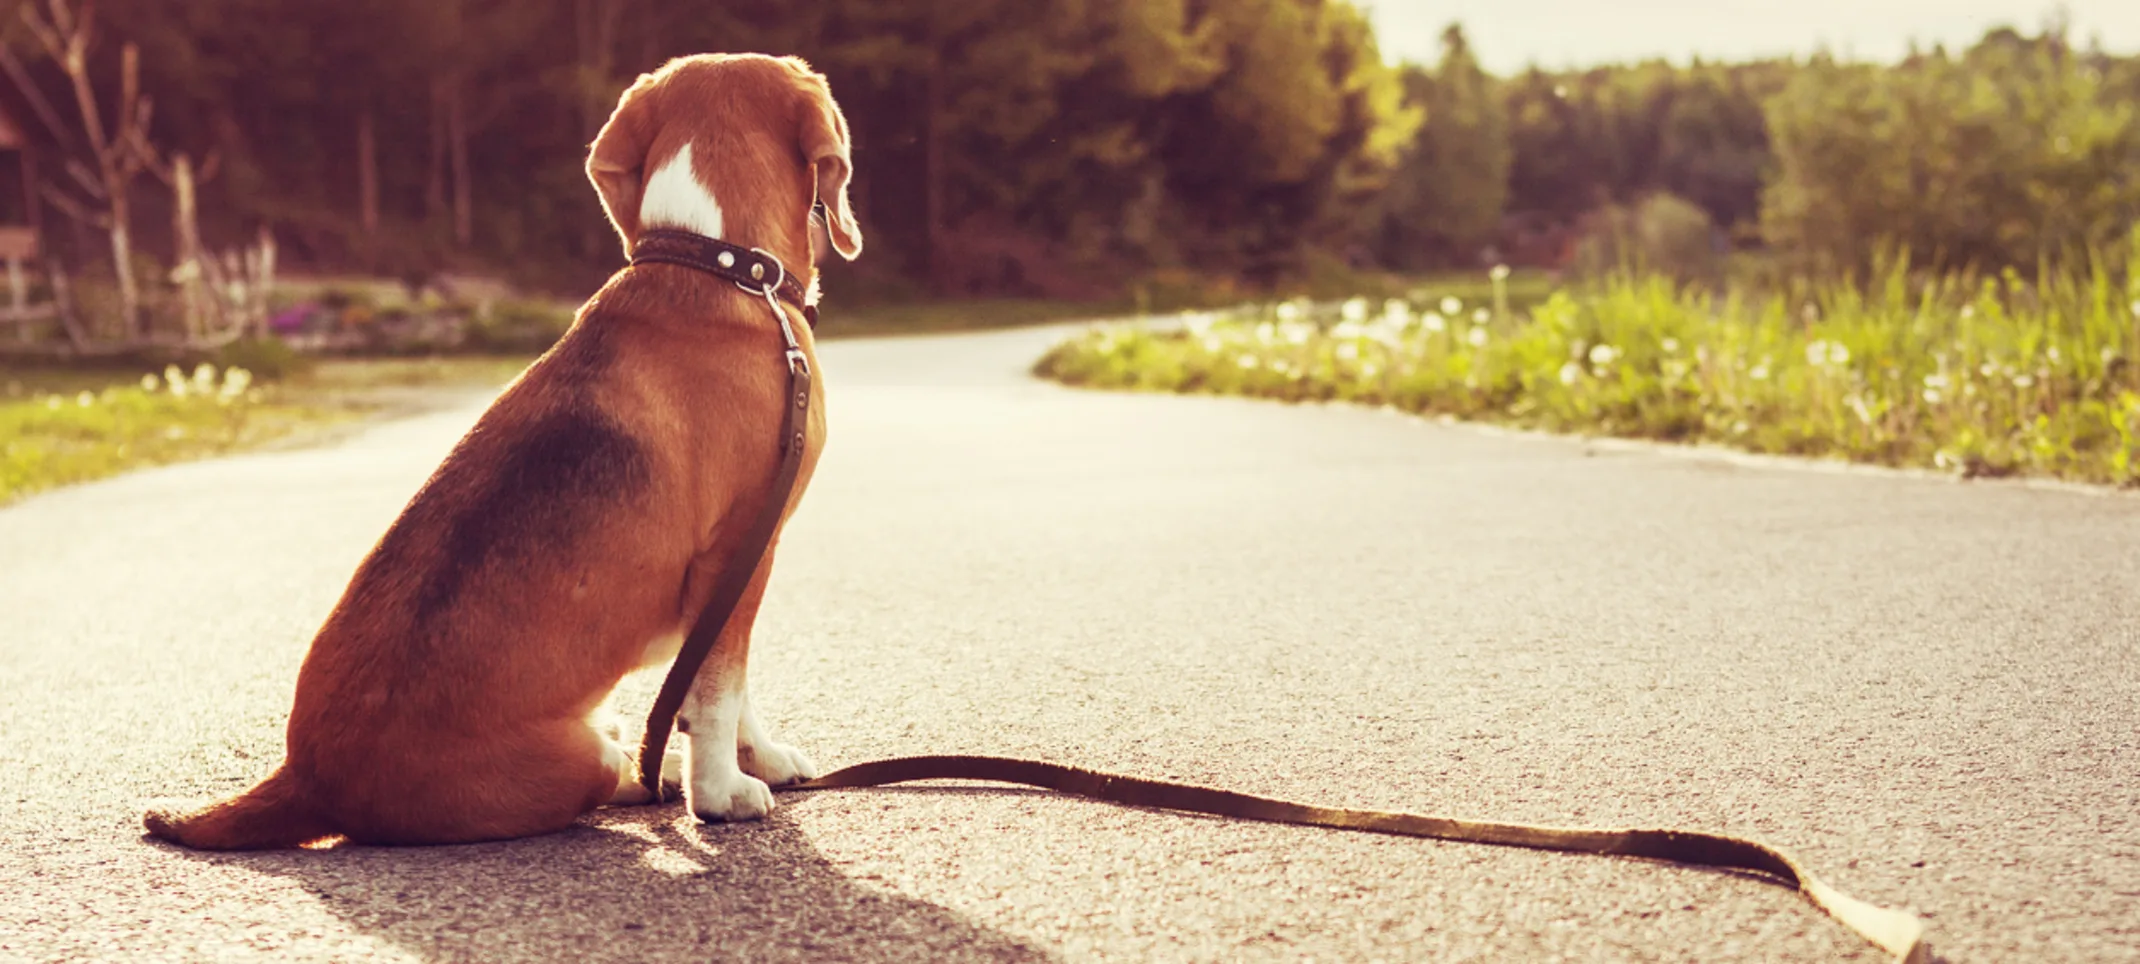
[{"x": 274, "y": 814}]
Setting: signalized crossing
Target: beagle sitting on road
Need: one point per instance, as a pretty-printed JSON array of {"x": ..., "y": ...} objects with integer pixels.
[{"x": 578, "y": 530}]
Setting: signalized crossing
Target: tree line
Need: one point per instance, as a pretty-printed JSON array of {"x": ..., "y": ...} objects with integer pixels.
[{"x": 1069, "y": 146}]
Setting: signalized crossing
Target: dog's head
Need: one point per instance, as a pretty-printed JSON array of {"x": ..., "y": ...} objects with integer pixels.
[{"x": 734, "y": 146}]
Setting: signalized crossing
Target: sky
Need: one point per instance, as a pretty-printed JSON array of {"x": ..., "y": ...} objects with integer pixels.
[{"x": 1509, "y": 35}]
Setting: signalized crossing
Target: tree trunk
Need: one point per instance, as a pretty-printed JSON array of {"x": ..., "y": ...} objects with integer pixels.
[
  {"x": 932, "y": 160},
  {"x": 435, "y": 185},
  {"x": 186, "y": 247},
  {"x": 368, "y": 175},
  {"x": 463, "y": 204}
]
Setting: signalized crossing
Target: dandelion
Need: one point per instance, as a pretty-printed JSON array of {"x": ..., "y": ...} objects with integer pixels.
[
  {"x": 1477, "y": 337},
  {"x": 1759, "y": 372},
  {"x": 1823, "y": 353},
  {"x": 1297, "y": 334},
  {"x": 52, "y": 402},
  {"x": 1603, "y": 355},
  {"x": 176, "y": 380},
  {"x": 1347, "y": 329},
  {"x": 1670, "y": 346},
  {"x": 203, "y": 377},
  {"x": 1740, "y": 427},
  {"x": 1970, "y": 311},
  {"x": 149, "y": 383},
  {"x": 1434, "y": 322},
  {"x": 1933, "y": 396},
  {"x": 2024, "y": 380},
  {"x": 235, "y": 382},
  {"x": 1288, "y": 311},
  {"x": 2136, "y": 307},
  {"x": 1499, "y": 273},
  {"x": 1197, "y": 323},
  {"x": 2052, "y": 354},
  {"x": 1354, "y": 310},
  {"x": 1370, "y": 370},
  {"x": 86, "y": 399},
  {"x": 1570, "y": 373},
  {"x": 1248, "y": 362},
  {"x": 1481, "y": 316},
  {"x": 1452, "y": 306},
  {"x": 1266, "y": 332},
  {"x": 1348, "y": 351},
  {"x": 1937, "y": 381},
  {"x": 1397, "y": 313},
  {"x": 1988, "y": 370},
  {"x": 1212, "y": 344}
]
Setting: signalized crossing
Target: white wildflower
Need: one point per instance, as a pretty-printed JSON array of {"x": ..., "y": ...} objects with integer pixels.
[
  {"x": 1822, "y": 353},
  {"x": 1249, "y": 362},
  {"x": 86, "y": 399},
  {"x": 1603, "y": 355},
  {"x": 1370, "y": 370},
  {"x": 1670, "y": 345},
  {"x": 1937, "y": 380},
  {"x": 1499, "y": 273},
  {"x": 1266, "y": 332},
  {"x": 1968, "y": 312},
  {"x": 1481, "y": 316},
  {"x": 1297, "y": 334},
  {"x": 1759, "y": 372},
  {"x": 1451, "y": 306},
  {"x": 52, "y": 402},
  {"x": 1434, "y": 322},
  {"x": 1288, "y": 311},
  {"x": 1212, "y": 344},
  {"x": 1988, "y": 370},
  {"x": 175, "y": 380},
  {"x": 1477, "y": 338},
  {"x": 1197, "y": 323},
  {"x": 1397, "y": 313},
  {"x": 203, "y": 378},
  {"x": 1348, "y": 351},
  {"x": 149, "y": 383},
  {"x": 235, "y": 382},
  {"x": 1933, "y": 396},
  {"x": 2024, "y": 380},
  {"x": 1347, "y": 329},
  {"x": 1570, "y": 373},
  {"x": 2136, "y": 307},
  {"x": 1354, "y": 309}
]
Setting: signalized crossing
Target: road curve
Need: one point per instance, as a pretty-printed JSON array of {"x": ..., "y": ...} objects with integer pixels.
[{"x": 1926, "y": 690}]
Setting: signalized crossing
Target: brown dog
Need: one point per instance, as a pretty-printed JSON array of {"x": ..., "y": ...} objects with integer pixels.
[{"x": 575, "y": 534}]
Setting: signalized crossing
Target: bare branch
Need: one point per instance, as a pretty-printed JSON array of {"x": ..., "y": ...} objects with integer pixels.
[
  {"x": 47, "y": 35},
  {"x": 88, "y": 179},
  {"x": 73, "y": 208},
  {"x": 43, "y": 108}
]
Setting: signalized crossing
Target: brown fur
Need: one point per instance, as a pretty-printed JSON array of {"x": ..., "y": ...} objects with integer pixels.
[{"x": 448, "y": 696}]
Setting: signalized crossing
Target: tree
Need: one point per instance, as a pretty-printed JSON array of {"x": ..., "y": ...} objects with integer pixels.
[{"x": 1446, "y": 198}]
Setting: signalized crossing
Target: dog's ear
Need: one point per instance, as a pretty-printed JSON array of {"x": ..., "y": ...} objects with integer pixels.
[
  {"x": 825, "y": 146},
  {"x": 617, "y": 161}
]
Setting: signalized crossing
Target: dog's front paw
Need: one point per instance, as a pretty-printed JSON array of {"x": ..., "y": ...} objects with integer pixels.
[
  {"x": 734, "y": 795},
  {"x": 776, "y": 763}
]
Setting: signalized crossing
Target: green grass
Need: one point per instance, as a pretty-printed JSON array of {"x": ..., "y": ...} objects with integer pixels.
[
  {"x": 1982, "y": 377},
  {"x": 60, "y": 425}
]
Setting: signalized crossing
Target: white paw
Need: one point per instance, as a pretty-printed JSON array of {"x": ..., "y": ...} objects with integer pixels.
[
  {"x": 776, "y": 763},
  {"x": 734, "y": 795}
]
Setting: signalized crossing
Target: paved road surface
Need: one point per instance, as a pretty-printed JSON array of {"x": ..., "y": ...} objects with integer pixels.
[{"x": 1927, "y": 690}]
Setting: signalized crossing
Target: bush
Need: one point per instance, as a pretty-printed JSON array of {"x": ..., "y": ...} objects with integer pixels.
[
  {"x": 518, "y": 327},
  {"x": 1663, "y": 234},
  {"x": 269, "y": 359}
]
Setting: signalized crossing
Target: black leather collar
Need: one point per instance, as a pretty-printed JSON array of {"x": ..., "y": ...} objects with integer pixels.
[{"x": 751, "y": 269}]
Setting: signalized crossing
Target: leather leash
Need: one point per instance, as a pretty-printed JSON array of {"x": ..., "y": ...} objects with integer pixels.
[
  {"x": 759, "y": 273},
  {"x": 1894, "y": 931}
]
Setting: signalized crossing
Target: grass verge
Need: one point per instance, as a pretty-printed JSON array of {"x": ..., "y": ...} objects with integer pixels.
[
  {"x": 60, "y": 426},
  {"x": 1981, "y": 377}
]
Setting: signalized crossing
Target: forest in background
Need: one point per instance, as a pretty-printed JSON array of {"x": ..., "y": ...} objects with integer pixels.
[{"x": 1072, "y": 148}]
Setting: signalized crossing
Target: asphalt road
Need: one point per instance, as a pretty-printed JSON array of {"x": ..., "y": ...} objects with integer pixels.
[{"x": 1926, "y": 689}]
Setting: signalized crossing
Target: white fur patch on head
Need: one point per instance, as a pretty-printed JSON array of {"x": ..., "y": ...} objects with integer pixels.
[{"x": 676, "y": 199}]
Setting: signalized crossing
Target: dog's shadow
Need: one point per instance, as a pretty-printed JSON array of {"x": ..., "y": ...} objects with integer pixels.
[{"x": 636, "y": 884}]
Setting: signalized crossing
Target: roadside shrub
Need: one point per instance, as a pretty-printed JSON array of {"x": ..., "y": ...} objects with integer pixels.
[{"x": 518, "y": 327}]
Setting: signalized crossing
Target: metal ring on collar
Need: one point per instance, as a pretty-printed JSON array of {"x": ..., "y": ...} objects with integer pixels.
[{"x": 768, "y": 287}]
